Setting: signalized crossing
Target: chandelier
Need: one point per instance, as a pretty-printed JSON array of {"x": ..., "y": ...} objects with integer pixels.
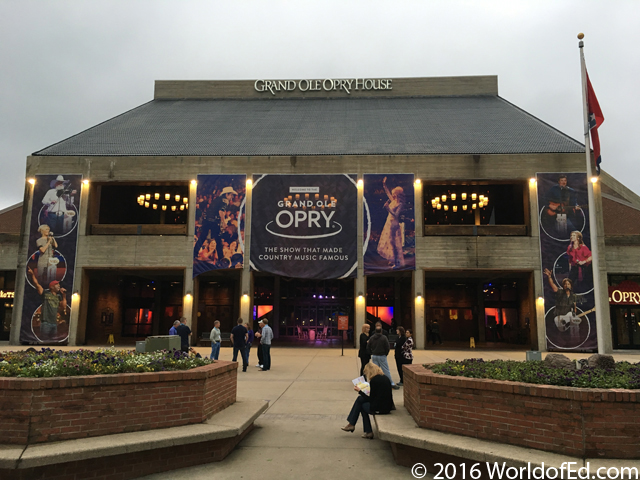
[
  {"x": 163, "y": 201},
  {"x": 464, "y": 203}
]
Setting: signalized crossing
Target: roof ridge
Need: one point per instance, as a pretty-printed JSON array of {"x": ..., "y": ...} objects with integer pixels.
[
  {"x": 91, "y": 128},
  {"x": 541, "y": 121}
]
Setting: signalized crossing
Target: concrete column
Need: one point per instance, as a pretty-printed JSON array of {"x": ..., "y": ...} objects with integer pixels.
[
  {"x": 537, "y": 273},
  {"x": 419, "y": 323},
  {"x": 605, "y": 339},
  {"x": 189, "y": 306},
  {"x": 21, "y": 277},
  {"x": 75, "y": 329},
  {"x": 246, "y": 285},
  {"x": 418, "y": 308},
  {"x": 360, "y": 284},
  {"x": 540, "y": 310}
]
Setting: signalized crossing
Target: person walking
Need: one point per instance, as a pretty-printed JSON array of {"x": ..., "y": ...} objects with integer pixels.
[
  {"x": 398, "y": 351},
  {"x": 258, "y": 342},
  {"x": 407, "y": 352},
  {"x": 267, "y": 336},
  {"x": 378, "y": 402},
  {"x": 174, "y": 329},
  {"x": 362, "y": 352},
  {"x": 239, "y": 341},
  {"x": 216, "y": 339},
  {"x": 250, "y": 337},
  {"x": 378, "y": 347},
  {"x": 184, "y": 332}
]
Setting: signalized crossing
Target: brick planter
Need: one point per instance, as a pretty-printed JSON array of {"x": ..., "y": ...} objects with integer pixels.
[
  {"x": 34, "y": 410},
  {"x": 578, "y": 422}
]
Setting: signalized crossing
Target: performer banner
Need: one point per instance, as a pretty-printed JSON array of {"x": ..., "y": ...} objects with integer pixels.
[
  {"x": 305, "y": 226},
  {"x": 565, "y": 242},
  {"x": 53, "y": 236},
  {"x": 389, "y": 223},
  {"x": 219, "y": 229}
]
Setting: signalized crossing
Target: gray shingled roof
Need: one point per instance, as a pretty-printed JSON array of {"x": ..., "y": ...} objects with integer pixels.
[{"x": 425, "y": 125}]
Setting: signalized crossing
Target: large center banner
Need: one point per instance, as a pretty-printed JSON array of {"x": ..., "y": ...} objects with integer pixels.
[
  {"x": 53, "y": 236},
  {"x": 565, "y": 249},
  {"x": 305, "y": 226}
]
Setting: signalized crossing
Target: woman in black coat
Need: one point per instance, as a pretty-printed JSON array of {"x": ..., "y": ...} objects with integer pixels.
[
  {"x": 362, "y": 353},
  {"x": 378, "y": 402},
  {"x": 398, "y": 351}
]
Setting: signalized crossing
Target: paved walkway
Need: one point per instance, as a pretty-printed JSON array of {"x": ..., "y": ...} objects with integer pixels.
[
  {"x": 310, "y": 395},
  {"x": 299, "y": 436}
]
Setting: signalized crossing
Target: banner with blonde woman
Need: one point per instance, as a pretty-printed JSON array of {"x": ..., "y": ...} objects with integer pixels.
[
  {"x": 53, "y": 236},
  {"x": 389, "y": 223},
  {"x": 565, "y": 250}
]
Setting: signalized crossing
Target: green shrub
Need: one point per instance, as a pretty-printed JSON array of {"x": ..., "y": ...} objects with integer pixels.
[
  {"x": 48, "y": 362},
  {"x": 622, "y": 375}
]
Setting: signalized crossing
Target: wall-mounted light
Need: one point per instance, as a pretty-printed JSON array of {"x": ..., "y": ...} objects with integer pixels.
[
  {"x": 594, "y": 179},
  {"x": 187, "y": 296},
  {"x": 194, "y": 183},
  {"x": 85, "y": 181},
  {"x": 418, "y": 182},
  {"x": 360, "y": 183},
  {"x": 419, "y": 297},
  {"x": 32, "y": 181},
  {"x": 532, "y": 181},
  {"x": 540, "y": 301},
  {"x": 249, "y": 183},
  {"x": 75, "y": 296}
]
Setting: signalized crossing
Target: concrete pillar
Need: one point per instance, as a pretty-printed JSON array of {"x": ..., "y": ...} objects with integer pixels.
[
  {"x": 419, "y": 323},
  {"x": 360, "y": 284},
  {"x": 21, "y": 277},
  {"x": 605, "y": 339},
  {"x": 189, "y": 306},
  {"x": 246, "y": 285},
  {"x": 418, "y": 308},
  {"x": 538, "y": 300},
  {"x": 76, "y": 331}
]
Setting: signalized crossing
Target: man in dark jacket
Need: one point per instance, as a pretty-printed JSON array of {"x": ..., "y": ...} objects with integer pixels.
[
  {"x": 239, "y": 336},
  {"x": 378, "y": 346},
  {"x": 184, "y": 332}
]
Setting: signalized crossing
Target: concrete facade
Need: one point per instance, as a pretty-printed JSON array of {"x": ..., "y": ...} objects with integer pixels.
[{"x": 458, "y": 254}]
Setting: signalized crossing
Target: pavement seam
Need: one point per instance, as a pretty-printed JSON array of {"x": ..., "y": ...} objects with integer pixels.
[{"x": 291, "y": 383}]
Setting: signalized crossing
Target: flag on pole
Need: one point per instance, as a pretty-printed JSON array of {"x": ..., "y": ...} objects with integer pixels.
[{"x": 595, "y": 120}]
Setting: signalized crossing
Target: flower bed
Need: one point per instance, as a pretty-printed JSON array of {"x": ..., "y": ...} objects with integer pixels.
[
  {"x": 622, "y": 375},
  {"x": 34, "y": 410},
  {"x": 48, "y": 362},
  {"x": 578, "y": 422}
]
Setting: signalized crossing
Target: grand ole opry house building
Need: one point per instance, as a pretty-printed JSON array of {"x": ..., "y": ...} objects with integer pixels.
[{"x": 321, "y": 205}]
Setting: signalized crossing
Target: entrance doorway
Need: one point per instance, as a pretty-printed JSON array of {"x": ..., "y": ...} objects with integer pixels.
[
  {"x": 305, "y": 311},
  {"x": 132, "y": 305},
  {"x": 626, "y": 327}
]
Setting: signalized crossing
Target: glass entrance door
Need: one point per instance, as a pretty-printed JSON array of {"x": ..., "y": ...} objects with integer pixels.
[{"x": 626, "y": 324}]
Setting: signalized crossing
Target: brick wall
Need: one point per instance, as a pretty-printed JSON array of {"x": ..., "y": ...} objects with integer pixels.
[
  {"x": 589, "y": 423},
  {"x": 53, "y": 409}
]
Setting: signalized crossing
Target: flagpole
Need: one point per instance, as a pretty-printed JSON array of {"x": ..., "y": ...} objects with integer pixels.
[{"x": 593, "y": 226}]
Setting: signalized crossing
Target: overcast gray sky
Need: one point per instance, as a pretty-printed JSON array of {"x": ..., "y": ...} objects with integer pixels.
[{"x": 68, "y": 65}]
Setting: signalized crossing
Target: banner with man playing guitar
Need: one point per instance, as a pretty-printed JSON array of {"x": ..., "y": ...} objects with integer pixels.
[{"x": 565, "y": 241}]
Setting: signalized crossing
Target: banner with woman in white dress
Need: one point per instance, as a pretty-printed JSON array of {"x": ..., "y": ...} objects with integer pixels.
[{"x": 389, "y": 223}]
